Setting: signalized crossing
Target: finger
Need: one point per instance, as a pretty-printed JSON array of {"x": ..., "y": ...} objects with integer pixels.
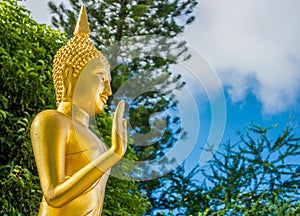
[
  {"x": 119, "y": 111},
  {"x": 117, "y": 120},
  {"x": 120, "y": 108},
  {"x": 124, "y": 138},
  {"x": 124, "y": 123}
]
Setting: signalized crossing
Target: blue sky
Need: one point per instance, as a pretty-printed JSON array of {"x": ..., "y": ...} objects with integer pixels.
[
  {"x": 253, "y": 49},
  {"x": 253, "y": 46}
]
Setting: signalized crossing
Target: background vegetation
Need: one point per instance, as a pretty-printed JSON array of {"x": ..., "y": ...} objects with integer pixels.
[
  {"x": 113, "y": 24},
  {"x": 26, "y": 52},
  {"x": 256, "y": 176}
]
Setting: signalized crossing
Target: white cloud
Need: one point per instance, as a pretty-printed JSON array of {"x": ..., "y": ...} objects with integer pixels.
[{"x": 253, "y": 46}]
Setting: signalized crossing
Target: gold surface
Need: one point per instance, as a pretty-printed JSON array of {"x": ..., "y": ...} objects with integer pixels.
[
  {"x": 76, "y": 53},
  {"x": 73, "y": 164}
]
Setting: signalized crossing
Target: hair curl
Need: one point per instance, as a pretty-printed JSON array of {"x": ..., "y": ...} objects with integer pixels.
[{"x": 77, "y": 52}]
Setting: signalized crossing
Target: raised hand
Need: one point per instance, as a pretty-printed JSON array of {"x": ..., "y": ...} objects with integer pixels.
[{"x": 119, "y": 131}]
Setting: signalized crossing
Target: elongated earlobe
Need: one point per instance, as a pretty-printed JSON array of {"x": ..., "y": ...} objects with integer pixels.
[
  {"x": 67, "y": 83},
  {"x": 77, "y": 52}
]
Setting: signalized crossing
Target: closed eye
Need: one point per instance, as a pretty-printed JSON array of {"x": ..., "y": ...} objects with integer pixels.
[{"x": 102, "y": 75}]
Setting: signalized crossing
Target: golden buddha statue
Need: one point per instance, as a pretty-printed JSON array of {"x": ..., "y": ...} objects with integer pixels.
[{"x": 73, "y": 164}]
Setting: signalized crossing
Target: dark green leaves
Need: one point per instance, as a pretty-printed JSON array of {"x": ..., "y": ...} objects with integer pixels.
[
  {"x": 26, "y": 56},
  {"x": 113, "y": 24}
]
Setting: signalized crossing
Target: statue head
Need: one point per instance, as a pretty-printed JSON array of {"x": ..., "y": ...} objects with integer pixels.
[{"x": 71, "y": 60}]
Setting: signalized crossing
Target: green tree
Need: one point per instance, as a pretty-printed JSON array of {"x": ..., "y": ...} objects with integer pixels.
[
  {"x": 181, "y": 194},
  {"x": 114, "y": 24},
  {"x": 26, "y": 55},
  {"x": 258, "y": 175}
]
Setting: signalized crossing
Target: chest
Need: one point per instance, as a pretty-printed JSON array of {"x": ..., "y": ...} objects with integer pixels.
[{"x": 82, "y": 148}]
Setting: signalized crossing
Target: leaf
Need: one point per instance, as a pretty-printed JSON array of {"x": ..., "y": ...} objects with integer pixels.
[
  {"x": 21, "y": 130},
  {"x": 33, "y": 74},
  {"x": 3, "y": 114}
]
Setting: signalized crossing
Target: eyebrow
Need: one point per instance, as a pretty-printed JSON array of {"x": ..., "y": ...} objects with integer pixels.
[
  {"x": 105, "y": 71},
  {"x": 100, "y": 67}
]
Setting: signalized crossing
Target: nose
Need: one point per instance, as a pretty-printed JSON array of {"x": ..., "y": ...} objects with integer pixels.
[{"x": 107, "y": 88}]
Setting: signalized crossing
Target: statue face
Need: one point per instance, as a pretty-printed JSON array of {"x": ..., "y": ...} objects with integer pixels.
[{"x": 92, "y": 87}]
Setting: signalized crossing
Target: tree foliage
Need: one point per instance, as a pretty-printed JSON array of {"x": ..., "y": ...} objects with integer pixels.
[
  {"x": 119, "y": 26},
  {"x": 255, "y": 176},
  {"x": 110, "y": 21},
  {"x": 26, "y": 53},
  {"x": 257, "y": 173}
]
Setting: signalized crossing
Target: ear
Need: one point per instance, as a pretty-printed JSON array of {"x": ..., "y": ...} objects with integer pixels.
[{"x": 67, "y": 83}]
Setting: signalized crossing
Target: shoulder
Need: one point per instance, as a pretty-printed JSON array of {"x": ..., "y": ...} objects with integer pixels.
[
  {"x": 50, "y": 127},
  {"x": 49, "y": 118}
]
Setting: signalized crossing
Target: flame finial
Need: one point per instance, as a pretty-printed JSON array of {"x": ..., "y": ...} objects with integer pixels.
[
  {"x": 78, "y": 51},
  {"x": 82, "y": 27}
]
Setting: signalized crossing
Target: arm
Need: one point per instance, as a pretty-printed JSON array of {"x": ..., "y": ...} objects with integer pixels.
[{"x": 50, "y": 152}]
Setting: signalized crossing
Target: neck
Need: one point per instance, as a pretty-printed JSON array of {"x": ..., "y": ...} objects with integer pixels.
[
  {"x": 77, "y": 113},
  {"x": 80, "y": 115}
]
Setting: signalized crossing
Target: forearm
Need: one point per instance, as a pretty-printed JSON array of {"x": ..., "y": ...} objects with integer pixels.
[{"x": 81, "y": 180}]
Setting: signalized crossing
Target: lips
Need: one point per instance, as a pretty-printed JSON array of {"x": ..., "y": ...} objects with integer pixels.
[{"x": 104, "y": 98}]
